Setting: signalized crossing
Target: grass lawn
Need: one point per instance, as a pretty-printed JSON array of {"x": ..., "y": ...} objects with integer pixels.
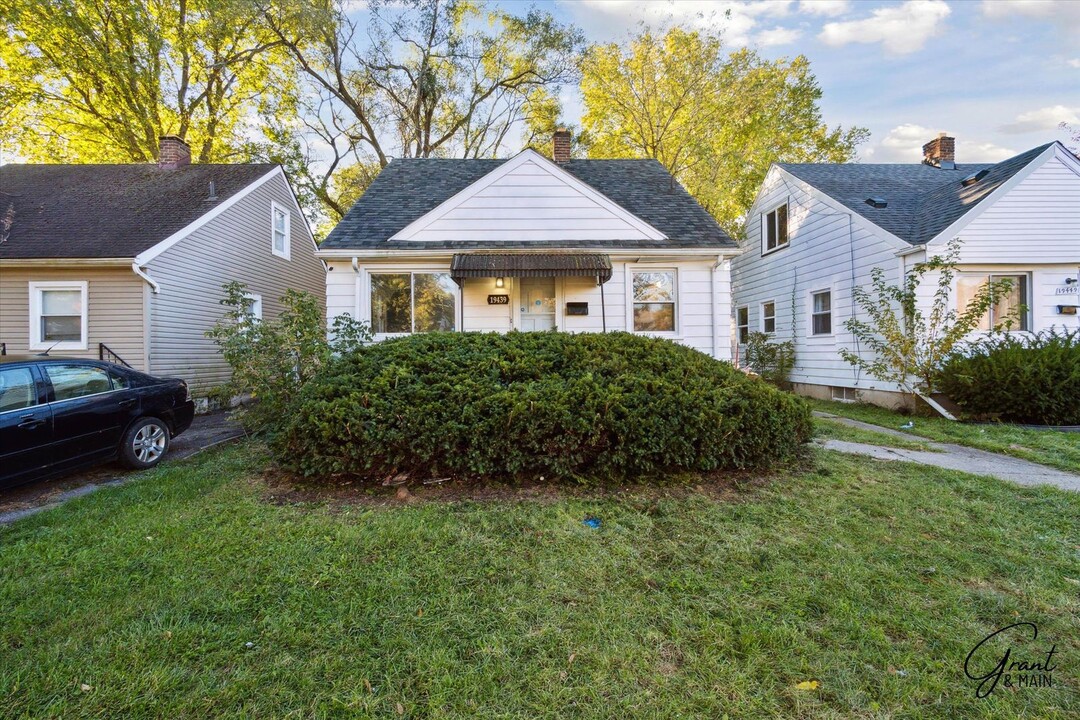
[
  {"x": 188, "y": 593},
  {"x": 1057, "y": 449}
]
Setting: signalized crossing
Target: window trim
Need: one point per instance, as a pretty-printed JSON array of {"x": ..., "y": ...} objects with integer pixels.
[
  {"x": 739, "y": 327},
  {"x": 765, "y": 249},
  {"x": 411, "y": 272},
  {"x": 676, "y": 304},
  {"x": 286, "y": 252},
  {"x": 1028, "y": 317},
  {"x": 765, "y": 317},
  {"x": 811, "y": 313},
  {"x": 37, "y": 287},
  {"x": 256, "y": 305}
]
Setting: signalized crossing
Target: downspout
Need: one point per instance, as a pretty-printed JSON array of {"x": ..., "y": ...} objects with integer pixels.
[
  {"x": 356, "y": 295},
  {"x": 154, "y": 287}
]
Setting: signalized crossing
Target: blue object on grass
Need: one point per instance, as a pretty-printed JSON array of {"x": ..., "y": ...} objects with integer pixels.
[{"x": 592, "y": 522}]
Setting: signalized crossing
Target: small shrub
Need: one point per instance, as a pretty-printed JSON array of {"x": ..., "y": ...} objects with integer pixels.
[
  {"x": 773, "y": 361},
  {"x": 272, "y": 359},
  {"x": 585, "y": 407},
  {"x": 1016, "y": 378}
]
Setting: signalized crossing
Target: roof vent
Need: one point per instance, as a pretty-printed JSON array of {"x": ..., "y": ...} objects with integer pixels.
[
  {"x": 974, "y": 178},
  {"x": 876, "y": 202}
]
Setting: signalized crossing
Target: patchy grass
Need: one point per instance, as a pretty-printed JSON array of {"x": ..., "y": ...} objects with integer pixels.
[
  {"x": 826, "y": 428},
  {"x": 1049, "y": 447},
  {"x": 188, "y": 594}
]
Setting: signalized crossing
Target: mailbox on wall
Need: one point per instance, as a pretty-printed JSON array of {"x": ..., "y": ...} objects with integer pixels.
[{"x": 577, "y": 308}]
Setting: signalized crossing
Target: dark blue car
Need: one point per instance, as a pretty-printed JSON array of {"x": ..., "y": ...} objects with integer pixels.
[{"x": 58, "y": 414}]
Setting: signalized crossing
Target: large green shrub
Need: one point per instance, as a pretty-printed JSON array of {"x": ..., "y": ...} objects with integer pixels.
[
  {"x": 584, "y": 407},
  {"x": 1017, "y": 378}
]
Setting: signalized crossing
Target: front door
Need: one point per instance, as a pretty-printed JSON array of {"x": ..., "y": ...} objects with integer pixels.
[{"x": 537, "y": 296}]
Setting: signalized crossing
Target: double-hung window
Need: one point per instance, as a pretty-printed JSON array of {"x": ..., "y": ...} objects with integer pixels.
[
  {"x": 1011, "y": 306},
  {"x": 413, "y": 302},
  {"x": 768, "y": 317},
  {"x": 742, "y": 322},
  {"x": 774, "y": 229},
  {"x": 58, "y": 317},
  {"x": 279, "y": 230},
  {"x": 654, "y": 301},
  {"x": 821, "y": 312}
]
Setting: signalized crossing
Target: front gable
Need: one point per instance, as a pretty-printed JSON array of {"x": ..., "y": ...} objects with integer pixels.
[{"x": 529, "y": 198}]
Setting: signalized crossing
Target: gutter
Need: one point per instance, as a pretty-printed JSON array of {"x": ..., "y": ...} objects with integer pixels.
[{"x": 154, "y": 287}]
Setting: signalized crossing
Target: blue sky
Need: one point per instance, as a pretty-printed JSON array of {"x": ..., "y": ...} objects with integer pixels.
[{"x": 998, "y": 75}]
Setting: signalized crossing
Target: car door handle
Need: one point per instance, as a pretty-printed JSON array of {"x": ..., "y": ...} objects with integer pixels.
[
  {"x": 30, "y": 422},
  {"x": 126, "y": 403}
]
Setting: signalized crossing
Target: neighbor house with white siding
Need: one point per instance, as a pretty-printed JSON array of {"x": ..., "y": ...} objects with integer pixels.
[
  {"x": 531, "y": 244},
  {"x": 127, "y": 262},
  {"x": 817, "y": 230}
]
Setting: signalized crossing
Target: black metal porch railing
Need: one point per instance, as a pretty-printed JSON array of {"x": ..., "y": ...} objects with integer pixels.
[{"x": 105, "y": 353}]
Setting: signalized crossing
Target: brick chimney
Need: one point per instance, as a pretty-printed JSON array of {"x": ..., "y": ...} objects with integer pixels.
[
  {"x": 560, "y": 146},
  {"x": 173, "y": 153},
  {"x": 940, "y": 152}
]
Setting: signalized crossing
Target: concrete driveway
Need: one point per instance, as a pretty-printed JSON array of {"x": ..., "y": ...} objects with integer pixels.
[{"x": 205, "y": 431}]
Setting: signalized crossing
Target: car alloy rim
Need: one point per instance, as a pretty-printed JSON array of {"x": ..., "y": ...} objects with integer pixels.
[{"x": 149, "y": 443}]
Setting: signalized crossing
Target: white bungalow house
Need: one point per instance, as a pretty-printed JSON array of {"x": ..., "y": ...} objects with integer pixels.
[
  {"x": 816, "y": 230},
  {"x": 532, "y": 244}
]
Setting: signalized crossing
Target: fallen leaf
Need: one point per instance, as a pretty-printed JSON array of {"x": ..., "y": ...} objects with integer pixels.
[{"x": 807, "y": 685}]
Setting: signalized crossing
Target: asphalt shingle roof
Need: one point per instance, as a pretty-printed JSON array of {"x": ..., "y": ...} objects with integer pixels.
[
  {"x": 108, "y": 211},
  {"x": 408, "y": 188},
  {"x": 922, "y": 200}
]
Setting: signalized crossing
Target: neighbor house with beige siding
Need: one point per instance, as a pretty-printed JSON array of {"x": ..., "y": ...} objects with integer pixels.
[
  {"x": 127, "y": 262},
  {"x": 532, "y": 244},
  {"x": 816, "y": 231}
]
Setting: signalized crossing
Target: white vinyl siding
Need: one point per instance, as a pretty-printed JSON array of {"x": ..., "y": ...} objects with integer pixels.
[{"x": 702, "y": 303}]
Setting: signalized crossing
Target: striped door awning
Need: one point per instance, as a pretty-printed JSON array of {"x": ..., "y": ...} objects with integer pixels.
[{"x": 474, "y": 265}]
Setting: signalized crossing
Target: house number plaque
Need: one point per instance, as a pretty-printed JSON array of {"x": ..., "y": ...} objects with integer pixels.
[{"x": 498, "y": 299}]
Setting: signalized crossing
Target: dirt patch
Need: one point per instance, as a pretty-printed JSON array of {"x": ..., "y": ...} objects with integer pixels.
[{"x": 283, "y": 488}]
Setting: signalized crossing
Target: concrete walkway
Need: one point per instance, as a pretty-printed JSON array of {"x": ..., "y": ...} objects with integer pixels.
[
  {"x": 206, "y": 431},
  {"x": 952, "y": 457}
]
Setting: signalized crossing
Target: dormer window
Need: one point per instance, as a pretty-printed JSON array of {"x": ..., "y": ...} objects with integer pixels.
[{"x": 774, "y": 231}]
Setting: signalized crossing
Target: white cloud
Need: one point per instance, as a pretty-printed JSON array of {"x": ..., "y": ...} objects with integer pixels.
[
  {"x": 1042, "y": 120},
  {"x": 904, "y": 144},
  {"x": 777, "y": 36},
  {"x": 829, "y": 8},
  {"x": 609, "y": 19},
  {"x": 1047, "y": 9},
  {"x": 900, "y": 29}
]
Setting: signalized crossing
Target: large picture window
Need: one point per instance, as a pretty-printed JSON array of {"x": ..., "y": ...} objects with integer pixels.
[
  {"x": 412, "y": 302},
  {"x": 774, "y": 230},
  {"x": 58, "y": 315},
  {"x": 654, "y": 301},
  {"x": 1011, "y": 305}
]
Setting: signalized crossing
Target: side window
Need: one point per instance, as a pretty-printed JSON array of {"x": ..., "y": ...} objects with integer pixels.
[
  {"x": 74, "y": 381},
  {"x": 17, "y": 389},
  {"x": 279, "y": 230}
]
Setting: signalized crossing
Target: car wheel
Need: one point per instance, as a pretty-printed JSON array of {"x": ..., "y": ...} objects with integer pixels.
[{"x": 145, "y": 443}]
